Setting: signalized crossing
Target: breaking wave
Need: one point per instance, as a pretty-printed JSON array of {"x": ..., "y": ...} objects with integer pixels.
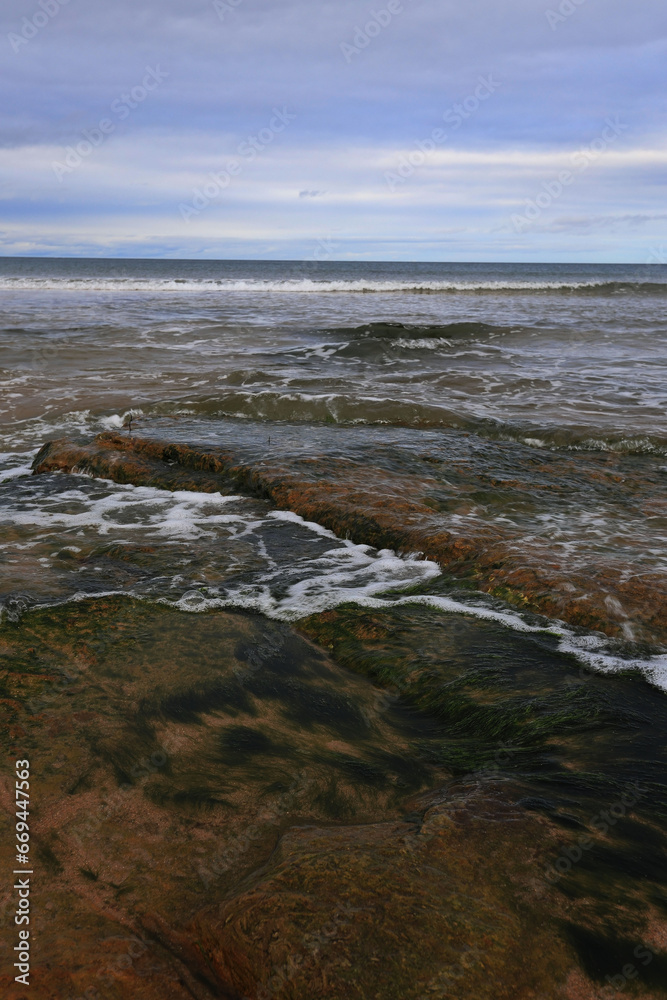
[{"x": 305, "y": 286}]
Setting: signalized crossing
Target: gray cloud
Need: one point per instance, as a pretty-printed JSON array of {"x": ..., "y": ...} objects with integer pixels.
[{"x": 228, "y": 66}]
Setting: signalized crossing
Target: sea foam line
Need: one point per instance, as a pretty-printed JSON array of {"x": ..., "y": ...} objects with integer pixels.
[
  {"x": 350, "y": 573},
  {"x": 589, "y": 650},
  {"x": 306, "y": 285}
]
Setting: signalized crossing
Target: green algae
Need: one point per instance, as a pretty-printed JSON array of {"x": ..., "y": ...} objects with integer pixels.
[
  {"x": 230, "y": 783},
  {"x": 487, "y": 686},
  {"x": 509, "y": 707}
]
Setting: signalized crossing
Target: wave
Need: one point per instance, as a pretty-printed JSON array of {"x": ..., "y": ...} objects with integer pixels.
[
  {"x": 346, "y": 573},
  {"x": 324, "y": 286},
  {"x": 596, "y": 653},
  {"x": 401, "y": 331},
  {"x": 341, "y": 409},
  {"x": 332, "y": 408}
]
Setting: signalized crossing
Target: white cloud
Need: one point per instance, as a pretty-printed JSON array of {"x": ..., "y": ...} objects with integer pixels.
[{"x": 354, "y": 123}]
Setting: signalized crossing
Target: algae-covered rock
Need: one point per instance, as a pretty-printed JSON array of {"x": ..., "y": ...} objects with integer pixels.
[
  {"x": 480, "y": 520},
  {"x": 221, "y": 809}
]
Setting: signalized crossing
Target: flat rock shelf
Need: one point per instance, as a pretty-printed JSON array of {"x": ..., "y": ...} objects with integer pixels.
[{"x": 385, "y": 802}]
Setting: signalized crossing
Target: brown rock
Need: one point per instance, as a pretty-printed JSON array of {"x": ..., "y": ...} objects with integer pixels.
[{"x": 372, "y": 505}]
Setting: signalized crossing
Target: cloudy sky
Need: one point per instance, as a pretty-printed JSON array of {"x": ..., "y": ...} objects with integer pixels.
[{"x": 405, "y": 129}]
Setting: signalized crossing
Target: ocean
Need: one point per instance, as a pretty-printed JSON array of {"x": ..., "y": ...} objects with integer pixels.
[{"x": 512, "y": 413}]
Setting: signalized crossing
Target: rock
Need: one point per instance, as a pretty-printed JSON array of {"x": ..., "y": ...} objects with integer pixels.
[
  {"x": 226, "y": 811},
  {"x": 374, "y": 505}
]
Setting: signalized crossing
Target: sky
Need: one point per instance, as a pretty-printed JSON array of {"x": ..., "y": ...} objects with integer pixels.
[{"x": 524, "y": 130}]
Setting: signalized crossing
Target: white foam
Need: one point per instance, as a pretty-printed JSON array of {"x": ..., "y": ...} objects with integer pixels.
[
  {"x": 117, "y": 420},
  {"x": 15, "y": 473},
  {"x": 287, "y": 585},
  {"x": 318, "y": 529},
  {"x": 177, "y": 516},
  {"x": 350, "y": 575},
  {"x": 308, "y": 597},
  {"x": 210, "y": 544},
  {"x": 14, "y": 464},
  {"x": 288, "y": 285},
  {"x": 590, "y": 650},
  {"x": 421, "y": 344}
]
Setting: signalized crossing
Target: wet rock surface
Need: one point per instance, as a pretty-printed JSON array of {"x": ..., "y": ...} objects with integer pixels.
[
  {"x": 477, "y": 508},
  {"x": 413, "y": 807}
]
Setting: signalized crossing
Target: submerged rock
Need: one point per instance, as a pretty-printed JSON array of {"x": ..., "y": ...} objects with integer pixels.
[
  {"x": 463, "y": 515},
  {"x": 221, "y": 808}
]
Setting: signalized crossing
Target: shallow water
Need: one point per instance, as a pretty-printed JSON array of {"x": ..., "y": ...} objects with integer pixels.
[
  {"x": 245, "y": 789},
  {"x": 75, "y": 537},
  {"x": 552, "y": 353},
  {"x": 380, "y": 362},
  {"x": 506, "y": 421}
]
